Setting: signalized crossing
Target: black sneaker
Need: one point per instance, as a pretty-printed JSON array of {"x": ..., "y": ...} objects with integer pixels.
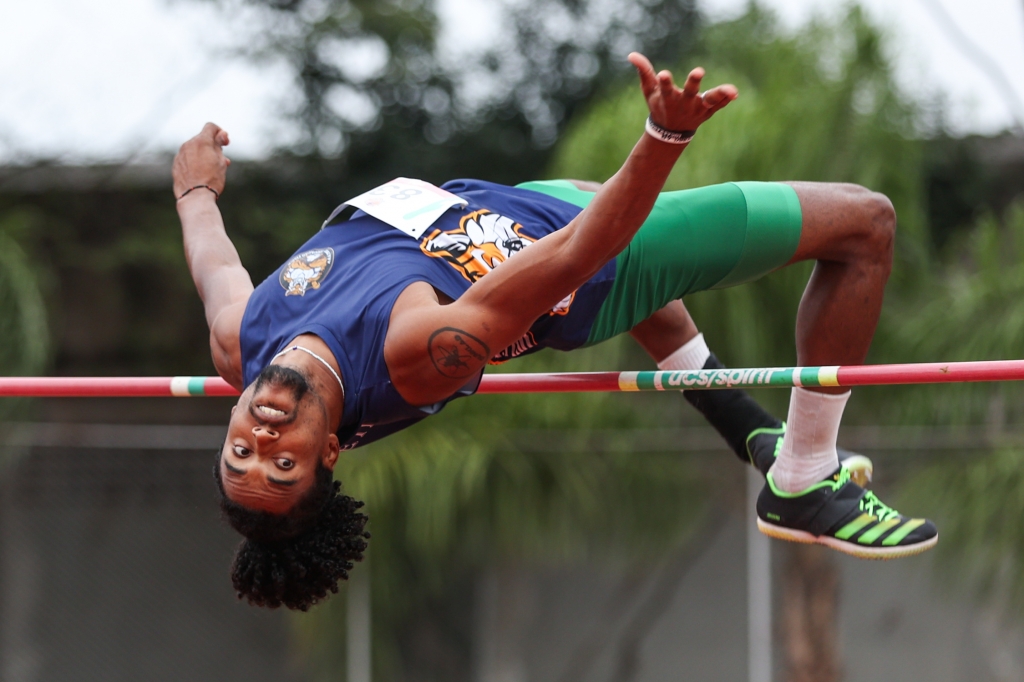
[
  {"x": 763, "y": 446},
  {"x": 840, "y": 514}
]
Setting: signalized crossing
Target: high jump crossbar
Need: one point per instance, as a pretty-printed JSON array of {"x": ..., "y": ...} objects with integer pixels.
[{"x": 568, "y": 382}]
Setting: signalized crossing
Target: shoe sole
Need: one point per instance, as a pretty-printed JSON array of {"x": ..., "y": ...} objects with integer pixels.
[{"x": 851, "y": 548}]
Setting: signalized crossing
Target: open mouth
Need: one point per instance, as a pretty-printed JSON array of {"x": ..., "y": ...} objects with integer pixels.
[{"x": 271, "y": 412}]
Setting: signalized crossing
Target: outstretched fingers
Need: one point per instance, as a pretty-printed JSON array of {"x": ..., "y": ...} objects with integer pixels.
[
  {"x": 665, "y": 83},
  {"x": 644, "y": 68},
  {"x": 692, "y": 85},
  {"x": 716, "y": 98},
  {"x": 679, "y": 108}
]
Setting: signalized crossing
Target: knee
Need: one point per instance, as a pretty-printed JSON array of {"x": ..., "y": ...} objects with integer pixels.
[{"x": 876, "y": 226}]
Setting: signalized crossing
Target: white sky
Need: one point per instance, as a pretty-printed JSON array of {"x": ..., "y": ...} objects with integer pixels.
[{"x": 88, "y": 80}]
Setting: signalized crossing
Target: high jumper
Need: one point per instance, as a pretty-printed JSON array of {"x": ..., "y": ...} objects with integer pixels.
[{"x": 396, "y": 306}]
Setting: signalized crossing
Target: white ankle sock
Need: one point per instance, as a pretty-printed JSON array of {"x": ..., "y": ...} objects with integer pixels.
[
  {"x": 808, "y": 451},
  {"x": 691, "y": 355}
]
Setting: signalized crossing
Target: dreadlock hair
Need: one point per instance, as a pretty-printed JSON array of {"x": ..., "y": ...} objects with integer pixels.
[{"x": 295, "y": 559}]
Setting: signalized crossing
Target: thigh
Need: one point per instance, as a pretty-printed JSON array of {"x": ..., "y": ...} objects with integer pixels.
[
  {"x": 694, "y": 240},
  {"x": 690, "y": 242}
]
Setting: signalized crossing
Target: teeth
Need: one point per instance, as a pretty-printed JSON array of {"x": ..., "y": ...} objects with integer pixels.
[{"x": 270, "y": 411}]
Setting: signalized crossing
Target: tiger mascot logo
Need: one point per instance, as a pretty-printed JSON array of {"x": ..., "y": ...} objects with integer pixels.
[
  {"x": 482, "y": 242},
  {"x": 306, "y": 271}
]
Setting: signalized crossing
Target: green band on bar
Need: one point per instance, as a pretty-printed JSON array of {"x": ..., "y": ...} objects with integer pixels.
[
  {"x": 197, "y": 385},
  {"x": 785, "y": 377},
  {"x": 645, "y": 381}
]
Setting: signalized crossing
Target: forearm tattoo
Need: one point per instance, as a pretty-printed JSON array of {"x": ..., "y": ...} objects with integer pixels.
[{"x": 456, "y": 353}]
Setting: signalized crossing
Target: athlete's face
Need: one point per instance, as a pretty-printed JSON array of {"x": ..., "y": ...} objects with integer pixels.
[{"x": 277, "y": 435}]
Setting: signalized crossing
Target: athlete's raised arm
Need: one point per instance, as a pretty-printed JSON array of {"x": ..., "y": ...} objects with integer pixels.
[
  {"x": 199, "y": 172},
  {"x": 499, "y": 309}
]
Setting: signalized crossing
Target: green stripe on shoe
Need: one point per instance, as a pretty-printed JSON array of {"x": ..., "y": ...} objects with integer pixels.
[
  {"x": 775, "y": 431},
  {"x": 876, "y": 532},
  {"x": 903, "y": 531},
  {"x": 778, "y": 492},
  {"x": 850, "y": 529}
]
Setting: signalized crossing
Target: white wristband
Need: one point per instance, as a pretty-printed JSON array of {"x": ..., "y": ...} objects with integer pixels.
[{"x": 666, "y": 135}]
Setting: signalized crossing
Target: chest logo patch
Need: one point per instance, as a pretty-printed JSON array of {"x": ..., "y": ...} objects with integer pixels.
[
  {"x": 482, "y": 242},
  {"x": 306, "y": 271}
]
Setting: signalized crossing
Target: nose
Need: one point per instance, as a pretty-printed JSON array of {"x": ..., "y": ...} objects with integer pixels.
[{"x": 264, "y": 434}]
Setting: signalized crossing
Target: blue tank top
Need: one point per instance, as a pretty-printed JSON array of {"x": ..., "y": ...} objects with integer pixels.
[{"x": 342, "y": 283}]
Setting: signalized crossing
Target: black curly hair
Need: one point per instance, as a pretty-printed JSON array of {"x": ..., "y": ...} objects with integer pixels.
[{"x": 295, "y": 559}]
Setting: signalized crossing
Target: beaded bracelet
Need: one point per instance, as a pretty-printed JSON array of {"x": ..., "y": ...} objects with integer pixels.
[
  {"x": 216, "y": 194},
  {"x": 665, "y": 135}
]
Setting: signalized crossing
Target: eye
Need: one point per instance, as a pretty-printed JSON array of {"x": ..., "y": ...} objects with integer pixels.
[
  {"x": 241, "y": 451},
  {"x": 285, "y": 464}
]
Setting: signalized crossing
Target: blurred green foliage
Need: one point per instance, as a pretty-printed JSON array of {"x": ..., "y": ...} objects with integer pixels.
[
  {"x": 973, "y": 312},
  {"x": 818, "y": 105},
  {"x": 373, "y": 75},
  {"x": 24, "y": 328},
  {"x": 969, "y": 309},
  {"x": 977, "y": 503},
  {"x": 24, "y": 332}
]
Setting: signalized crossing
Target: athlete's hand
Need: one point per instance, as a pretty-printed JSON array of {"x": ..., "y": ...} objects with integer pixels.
[
  {"x": 679, "y": 109},
  {"x": 201, "y": 161}
]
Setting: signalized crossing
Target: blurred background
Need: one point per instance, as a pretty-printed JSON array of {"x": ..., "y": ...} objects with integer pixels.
[{"x": 569, "y": 538}]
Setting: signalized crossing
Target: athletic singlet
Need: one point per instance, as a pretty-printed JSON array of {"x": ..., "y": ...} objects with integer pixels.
[{"x": 342, "y": 283}]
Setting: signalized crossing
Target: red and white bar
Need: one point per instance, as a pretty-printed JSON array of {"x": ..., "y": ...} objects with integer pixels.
[
  {"x": 605, "y": 382},
  {"x": 113, "y": 387}
]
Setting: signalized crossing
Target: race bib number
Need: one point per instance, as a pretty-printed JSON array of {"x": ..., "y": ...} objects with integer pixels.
[{"x": 408, "y": 205}]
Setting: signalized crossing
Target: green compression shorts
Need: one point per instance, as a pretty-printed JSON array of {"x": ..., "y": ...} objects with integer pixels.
[{"x": 694, "y": 240}]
